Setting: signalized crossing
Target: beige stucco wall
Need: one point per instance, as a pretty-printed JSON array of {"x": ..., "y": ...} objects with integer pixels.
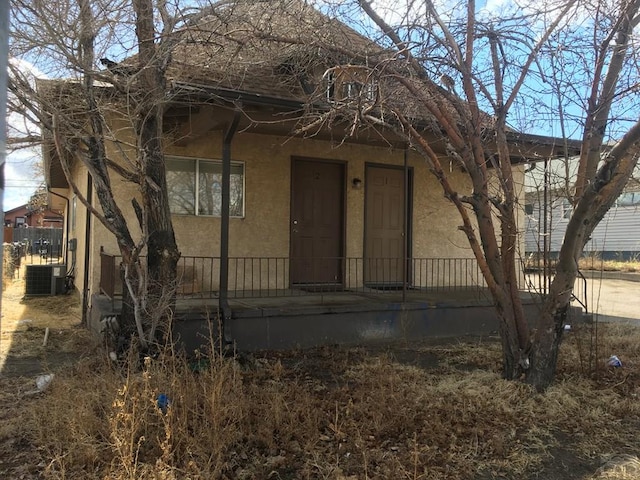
[
  {"x": 264, "y": 229},
  {"x": 77, "y": 219},
  {"x": 100, "y": 235}
]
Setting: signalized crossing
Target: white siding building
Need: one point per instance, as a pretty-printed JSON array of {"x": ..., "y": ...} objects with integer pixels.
[{"x": 617, "y": 236}]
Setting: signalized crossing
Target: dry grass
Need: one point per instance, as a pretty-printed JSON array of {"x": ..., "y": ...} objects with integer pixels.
[
  {"x": 24, "y": 319},
  {"x": 337, "y": 413},
  {"x": 423, "y": 410},
  {"x": 592, "y": 262}
]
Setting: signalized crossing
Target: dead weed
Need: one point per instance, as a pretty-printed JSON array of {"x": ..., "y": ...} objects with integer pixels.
[
  {"x": 423, "y": 410},
  {"x": 313, "y": 414}
]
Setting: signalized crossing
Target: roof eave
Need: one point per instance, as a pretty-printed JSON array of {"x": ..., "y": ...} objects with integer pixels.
[
  {"x": 528, "y": 148},
  {"x": 236, "y": 97},
  {"x": 53, "y": 173}
]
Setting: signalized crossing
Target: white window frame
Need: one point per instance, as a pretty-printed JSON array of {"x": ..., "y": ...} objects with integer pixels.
[
  {"x": 216, "y": 161},
  {"x": 567, "y": 208},
  {"x": 342, "y": 87}
]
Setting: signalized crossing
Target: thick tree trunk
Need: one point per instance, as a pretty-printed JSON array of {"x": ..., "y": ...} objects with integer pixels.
[
  {"x": 162, "y": 250},
  {"x": 544, "y": 351},
  {"x": 514, "y": 351},
  {"x": 133, "y": 316},
  {"x": 535, "y": 363},
  {"x": 510, "y": 367}
]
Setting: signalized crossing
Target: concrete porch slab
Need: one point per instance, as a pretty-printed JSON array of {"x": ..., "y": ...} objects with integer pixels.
[{"x": 333, "y": 318}]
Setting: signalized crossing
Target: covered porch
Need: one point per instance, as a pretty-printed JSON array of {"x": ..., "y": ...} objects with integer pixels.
[{"x": 441, "y": 297}]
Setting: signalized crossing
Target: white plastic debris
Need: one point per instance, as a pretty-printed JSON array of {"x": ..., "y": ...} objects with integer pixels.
[
  {"x": 614, "y": 361},
  {"x": 44, "y": 381}
]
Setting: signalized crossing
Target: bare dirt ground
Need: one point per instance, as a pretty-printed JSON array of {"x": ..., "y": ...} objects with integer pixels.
[
  {"x": 417, "y": 410},
  {"x": 24, "y": 356},
  {"x": 24, "y": 324}
]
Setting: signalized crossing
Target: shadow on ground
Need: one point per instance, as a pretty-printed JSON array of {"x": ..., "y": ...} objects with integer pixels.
[{"x": 39, "y": 334}]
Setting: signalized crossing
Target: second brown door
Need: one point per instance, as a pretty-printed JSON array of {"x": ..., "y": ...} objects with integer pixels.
[{"x": 384, "y": 227}]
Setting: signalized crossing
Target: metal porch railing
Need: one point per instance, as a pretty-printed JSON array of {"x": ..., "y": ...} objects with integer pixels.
[
  {"x": 256, "y": 277},
  {"x": 539, "y": 281}
]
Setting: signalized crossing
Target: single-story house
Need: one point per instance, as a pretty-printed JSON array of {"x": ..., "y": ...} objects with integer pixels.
[
  {"x": 24, "y": 216},
  {"x": 331, "y": 237}
]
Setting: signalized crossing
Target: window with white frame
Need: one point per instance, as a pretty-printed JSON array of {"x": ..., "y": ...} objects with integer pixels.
[
  {"x": 567, "y": 208},
  {"x": 195, "y": 187},
  {"x": 351, "y": 82},
  {"x": 628, "y": 199}
]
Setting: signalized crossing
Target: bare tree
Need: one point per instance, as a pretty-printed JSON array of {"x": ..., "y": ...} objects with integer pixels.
[
  {"x": 460, "y": 63},
  {"x": 66, "y": 39},
  {"x": 447, "y": 79}
]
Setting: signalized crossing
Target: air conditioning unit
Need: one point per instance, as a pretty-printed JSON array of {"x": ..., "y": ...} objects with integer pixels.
[{"x": 45, "y": 279}]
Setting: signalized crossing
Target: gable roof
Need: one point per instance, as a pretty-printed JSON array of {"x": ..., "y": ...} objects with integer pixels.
[
  {"x": 17, "y": 209},
  {"x": 276, "y": 48}
]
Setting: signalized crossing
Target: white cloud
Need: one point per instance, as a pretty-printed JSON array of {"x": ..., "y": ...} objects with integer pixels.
[
  {"x": 21, "y": 175},
  {"x": 26, "y": 67}
]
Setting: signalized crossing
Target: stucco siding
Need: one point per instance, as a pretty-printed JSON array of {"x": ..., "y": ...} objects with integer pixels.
[
  {"x": 77, "y": 218},
  {"x": 264, "y": 230}
]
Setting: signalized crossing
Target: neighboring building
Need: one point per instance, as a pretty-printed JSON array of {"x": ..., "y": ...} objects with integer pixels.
[
  {"x": 23, "y": 216},
  {"x": 17, "y": 217},
  {"x": 617, "y": 236},
  {"x": 351, "y": 234}
]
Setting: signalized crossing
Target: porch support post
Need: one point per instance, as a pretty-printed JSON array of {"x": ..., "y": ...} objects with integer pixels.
[
  {"x": 223, "y": 299},
  {"x": 87, "y": 253},
  {"x": 405, "y": 223}
]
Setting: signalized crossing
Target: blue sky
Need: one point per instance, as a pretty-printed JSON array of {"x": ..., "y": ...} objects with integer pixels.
[
  {"x": 21, "y": 177},
  {"x": 21, "y": 174}
]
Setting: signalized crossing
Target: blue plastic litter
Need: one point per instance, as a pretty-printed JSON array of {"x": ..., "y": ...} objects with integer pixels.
[{"x": 163, "y": 402}]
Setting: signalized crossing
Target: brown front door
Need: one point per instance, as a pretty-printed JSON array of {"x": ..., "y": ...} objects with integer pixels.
[
  {"x": 317, "y": 221},
  {"x": 384, "y": 227}
]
